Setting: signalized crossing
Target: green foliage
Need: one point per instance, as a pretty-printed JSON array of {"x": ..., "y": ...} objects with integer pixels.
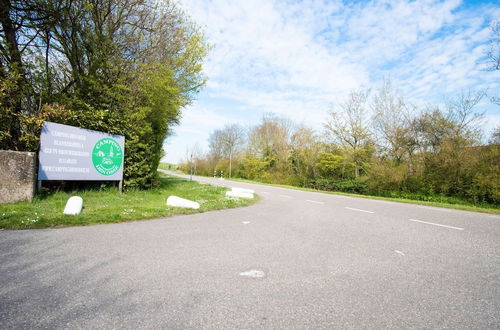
[
  {"x": 355, "y": 185},
  {"x": 167, "y": 166},
  {"x": 332, "y": 165},
  {"x": 386, "y": 175},
  {"x": 9, "y": 97},
  {"x": 109, "y": 205},
  {"x": 121, "y": 67},
  {"x": 439, "y": 159},
  {"x": 253, "y": 168}
]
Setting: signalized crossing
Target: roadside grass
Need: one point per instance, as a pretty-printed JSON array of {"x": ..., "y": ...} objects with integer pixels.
[
  {"x": 440, "y": 201},
  {"x": 167, "y": 166},
  {"x": 109, "y": 205}
]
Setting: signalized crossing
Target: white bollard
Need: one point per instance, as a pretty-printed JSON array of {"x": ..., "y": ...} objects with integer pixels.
[
  {"x": 249, "y": 191},
  {"x": 73, "y": 205},
  {"x": 239, "y": 194},
  {"x": 181, "y": 202}
]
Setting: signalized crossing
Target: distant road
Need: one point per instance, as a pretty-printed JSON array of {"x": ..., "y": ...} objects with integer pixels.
[{"x": 294, "y": 260}]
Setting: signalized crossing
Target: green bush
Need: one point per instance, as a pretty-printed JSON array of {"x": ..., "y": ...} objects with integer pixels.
[{"x": 355, "y": 186}]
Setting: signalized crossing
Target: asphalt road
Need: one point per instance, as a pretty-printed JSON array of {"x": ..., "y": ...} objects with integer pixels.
[{"x": 294, "y": 260}]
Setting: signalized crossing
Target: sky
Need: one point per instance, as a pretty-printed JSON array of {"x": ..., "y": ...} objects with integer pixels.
[{"x": 299, "y": 59}]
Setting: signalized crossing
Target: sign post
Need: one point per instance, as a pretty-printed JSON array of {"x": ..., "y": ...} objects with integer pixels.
[{"x": 76, "y": 154}]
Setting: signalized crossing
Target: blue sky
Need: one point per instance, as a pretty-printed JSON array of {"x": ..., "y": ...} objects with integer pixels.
[{"x": 300, "y": 58}]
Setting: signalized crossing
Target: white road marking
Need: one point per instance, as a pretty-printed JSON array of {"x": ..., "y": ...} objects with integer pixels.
[
  {"x": 264, "y": 192},
  {"x": 286, "y": 196},
  {"x": 399, "y": 252},
  {"x": 253, "y": 273},
  {"x": 308, "y": 200},
  {"x": 436, "y": 224},
  {"x": 245, "y": 222},
  {"x": 353, "y": 209}
]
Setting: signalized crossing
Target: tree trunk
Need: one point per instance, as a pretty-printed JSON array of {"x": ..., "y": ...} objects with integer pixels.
[{"x": 15, "y": 65}]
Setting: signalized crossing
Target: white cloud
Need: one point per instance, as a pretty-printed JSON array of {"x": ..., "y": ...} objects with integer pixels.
[{"x": 297, "y": 57}]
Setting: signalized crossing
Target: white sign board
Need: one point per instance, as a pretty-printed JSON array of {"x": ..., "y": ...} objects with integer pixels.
[{"x": 72, "y": 153}]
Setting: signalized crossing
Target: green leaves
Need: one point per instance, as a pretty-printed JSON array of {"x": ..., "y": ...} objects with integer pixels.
[{"x": 120, "y": 66}]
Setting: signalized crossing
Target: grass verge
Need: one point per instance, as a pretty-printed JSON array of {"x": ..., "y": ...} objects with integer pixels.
[
  {"x": 167, "y": 166},
  {"x": 457, "y": 204},
  {"x": 107, "y": 206}
]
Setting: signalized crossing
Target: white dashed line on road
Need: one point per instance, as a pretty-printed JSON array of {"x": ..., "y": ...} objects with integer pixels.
[
  {"x": 353, "y": 209},
  {"x": 316, "y": 202},
  {"x": 399, "y": 252},
  {"x": 245, "y": 222},
  {"x": 436, "y": 224},
  {"x": 253, "y": 273},
  {"x": 264, "y": 192},
  {"x": 286, "y": 196}
]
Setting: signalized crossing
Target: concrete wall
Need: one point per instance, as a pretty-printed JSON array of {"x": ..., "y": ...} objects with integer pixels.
[{"x": 17, "y": 176}]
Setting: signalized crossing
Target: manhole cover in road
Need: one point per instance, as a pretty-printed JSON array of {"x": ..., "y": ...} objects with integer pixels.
[{"x": 253, "y": 273}]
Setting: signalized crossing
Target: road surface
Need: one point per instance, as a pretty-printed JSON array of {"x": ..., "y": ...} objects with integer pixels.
[{"x": 294, "y": 260}]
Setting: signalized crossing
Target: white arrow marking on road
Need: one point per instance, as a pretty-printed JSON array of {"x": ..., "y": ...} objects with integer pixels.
[
  {"x": 436, "y": 224},
  {"x": 353, "y": 209}
]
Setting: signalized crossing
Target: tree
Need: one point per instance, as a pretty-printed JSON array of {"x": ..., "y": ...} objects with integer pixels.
[
  {"x": 99, "y": 64},
  {"x": 493, "y": 52},
  {"x": 392, "y": 123},
  {"x": 495, "y": 136},
  {"x": 461, "y": 112},
  {"x": 271, "y": 138},
  {"x": 492, "y": 55},
  {"x": 225, "y": 142},
  {"x": 349, "y": 128},
  {"x": 12, "y": 68},
  {"x": 304, "y": 153},
  {"x": 216, "y": 148},
  {"x": 231, "y": 137}
]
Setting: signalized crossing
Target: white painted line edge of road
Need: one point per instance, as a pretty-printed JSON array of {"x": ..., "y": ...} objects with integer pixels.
[
  {"x": 436, "y": 224},
  {"x": 353, "y": 209},
  {"x": 311, "y": 201}
]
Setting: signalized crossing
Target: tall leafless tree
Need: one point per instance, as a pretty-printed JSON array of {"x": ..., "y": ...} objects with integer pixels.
[
  {"x": 349, "y": 127},
  {"x": 232, "y": 139},
  {"x": 392, "y": 124},
  {"x": 493, "y": 52}
]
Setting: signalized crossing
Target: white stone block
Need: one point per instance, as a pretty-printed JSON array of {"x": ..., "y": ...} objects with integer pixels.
[
  {"x": 73, "y": 205},
  {"x": 239, "y": 194},
  {"x": 181, "y": 202},
  {"x": 243, "y": 190}
]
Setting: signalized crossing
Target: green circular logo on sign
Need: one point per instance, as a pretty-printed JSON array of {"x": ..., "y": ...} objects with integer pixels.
[{"x": 107, "y": 156}]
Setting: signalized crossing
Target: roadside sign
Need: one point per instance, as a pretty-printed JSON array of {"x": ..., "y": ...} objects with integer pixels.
[{"x": 72, "y": 153}]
